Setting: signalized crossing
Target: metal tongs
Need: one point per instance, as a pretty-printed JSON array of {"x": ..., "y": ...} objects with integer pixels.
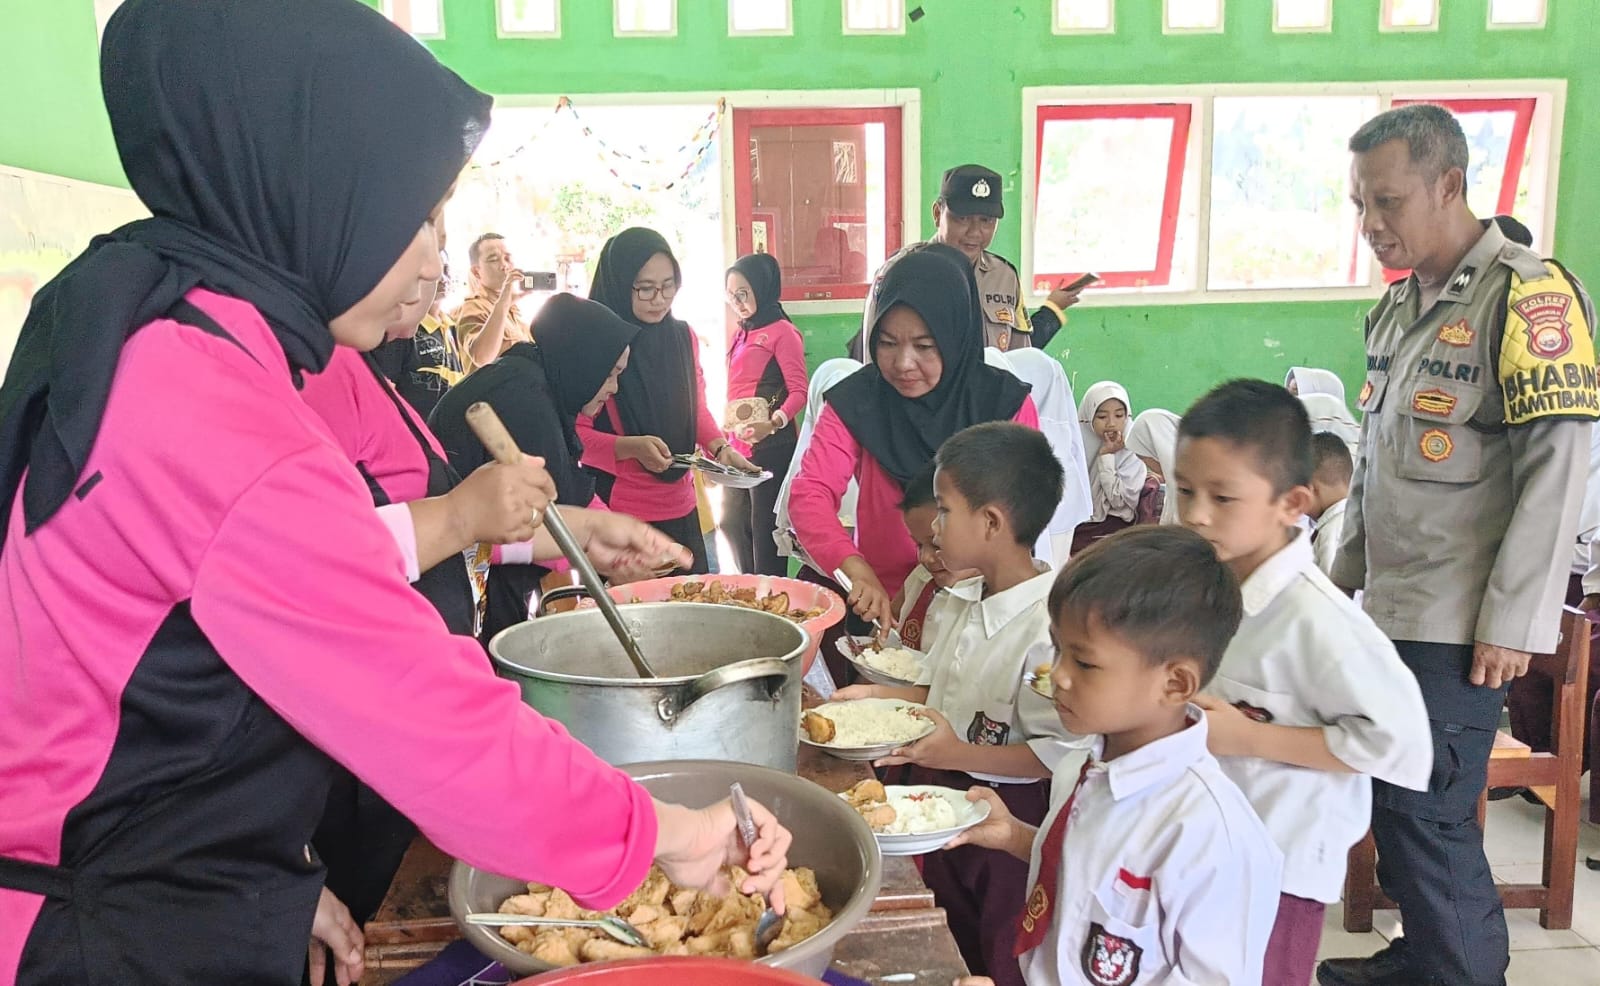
[{"x": 491, "y": 431}]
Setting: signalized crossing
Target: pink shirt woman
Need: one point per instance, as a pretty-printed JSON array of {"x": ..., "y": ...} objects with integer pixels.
[{"x": 885, "y": 422}]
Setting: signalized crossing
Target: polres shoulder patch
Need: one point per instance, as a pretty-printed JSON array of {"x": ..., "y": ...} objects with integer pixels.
[{"x": 1547, "y": 361}]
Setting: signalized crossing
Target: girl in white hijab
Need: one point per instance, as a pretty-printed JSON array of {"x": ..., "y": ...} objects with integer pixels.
[
  {"x": 1116, "y": 474},
  {"x": 828, "y": 374},
  {"x": 1154, "y": 439},
  {"x": 1052, "y": 395},
  {"x": 1322, "y": 393}
]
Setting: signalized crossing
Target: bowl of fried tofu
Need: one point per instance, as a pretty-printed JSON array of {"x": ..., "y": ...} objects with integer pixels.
[{"x": 835, "y": 872}]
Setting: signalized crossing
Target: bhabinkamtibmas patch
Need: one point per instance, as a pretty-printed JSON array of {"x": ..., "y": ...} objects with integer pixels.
[{"x": 1547, "y": 367}]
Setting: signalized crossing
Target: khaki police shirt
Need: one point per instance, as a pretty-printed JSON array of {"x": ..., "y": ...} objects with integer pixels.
[
  {"x": 1471, "y": 472},
  {"x": 1005, "y": 322}
]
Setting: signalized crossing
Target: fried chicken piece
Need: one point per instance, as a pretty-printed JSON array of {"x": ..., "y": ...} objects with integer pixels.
[
  {"x": 819, "y": 727},
  {"x": 716, "y": 944},
  {"x": 532, "y": 905},
  {"x": 653, "y": 890},
  {"x": 777, "y": 603},
  {"x": 799, "y": 925},
  {"x": 878, "y": 817},
  {"x": 682, "y": 901},
  {"x": 869, "y": 791},
  {"x": 554, "y": 948},
  {"x": 742, "y": 942},
  {"x": 664, "y": 931},
  {"x": 797, "y": 895},
  {"x": 517, "y": 935},
  {"x": 605, "y": 950},
  {"x": 562, "y": 906}
]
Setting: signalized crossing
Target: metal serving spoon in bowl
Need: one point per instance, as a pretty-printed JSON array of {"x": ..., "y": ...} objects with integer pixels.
[
  {"x": 770, "y": 925},
  {"x": 617, "y": 928}
]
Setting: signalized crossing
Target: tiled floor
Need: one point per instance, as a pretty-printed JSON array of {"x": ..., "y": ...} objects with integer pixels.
[{"x": 1515, "y": 841}]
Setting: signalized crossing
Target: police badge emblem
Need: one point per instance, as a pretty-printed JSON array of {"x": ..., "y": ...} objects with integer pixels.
[
  {"x": 980, "y": 188},
  {"x": 1436, "y": 445},
  {"x": 1549, "y": 332},
  {"x": 1109, "y": 960}
]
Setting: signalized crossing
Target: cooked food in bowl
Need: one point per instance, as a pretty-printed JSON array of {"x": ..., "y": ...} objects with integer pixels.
[
  {"x": 675, "y": 920},
  {"x": 747, "y": 598},
  {"x": 901, "y": 814},
  {"x": 865, "y": 722}
]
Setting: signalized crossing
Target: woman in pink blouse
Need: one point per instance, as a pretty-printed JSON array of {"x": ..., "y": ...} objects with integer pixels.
[
  {"x": 883, "y": 423},
  {"x": 660, "y": 407},
  {"x": 766, "y": 362}
]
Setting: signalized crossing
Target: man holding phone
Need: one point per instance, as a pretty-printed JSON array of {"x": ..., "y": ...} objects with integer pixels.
[
  {"x": 965, "y": 216},
  {"x": 488, "y": 322}
]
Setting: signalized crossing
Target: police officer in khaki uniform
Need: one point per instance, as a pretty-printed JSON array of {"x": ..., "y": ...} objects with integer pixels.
[
  {"x": 965, "y": 217},
  {"x": 1479, "y": 397}
]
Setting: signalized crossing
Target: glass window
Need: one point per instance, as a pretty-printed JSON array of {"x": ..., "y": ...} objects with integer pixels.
[
  {"x": 760, "y": 17},
  {"x": 874, "y": 16},
  {"x": 529, "y": 18},
  {"x": 1302, "y": 15},
  {"x": 421, "y": 18},
  {"x": 1194, "y": 15},
  {"x": 1516, "y": 13},
  {"x": 1280, "y": 207},
  {"x": 1085, "y": 17},
  {"x": 1109, "y": 183},
  {"x": 820, "y": 190},
  {"x": 1410, "y": 15},
  {"x": 646, "y": 17}
]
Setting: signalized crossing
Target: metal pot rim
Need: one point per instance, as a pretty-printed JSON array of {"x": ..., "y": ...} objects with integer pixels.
[{"x": 510, "y": 664}]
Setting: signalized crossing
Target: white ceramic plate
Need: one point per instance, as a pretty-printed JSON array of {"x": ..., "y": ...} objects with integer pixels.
[
  {"x": 875, "y": 750},
  {"x": 869, "y": 672},
  {"x": 968, "y": 814}
]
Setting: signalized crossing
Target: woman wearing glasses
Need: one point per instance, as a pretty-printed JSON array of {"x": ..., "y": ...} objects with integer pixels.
[
  {"x": 660, "y": 407},
  {"x": 766, "y": 389}
]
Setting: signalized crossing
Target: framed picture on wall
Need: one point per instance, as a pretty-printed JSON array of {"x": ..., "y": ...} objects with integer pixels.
[{"x": 763, "y": 232}]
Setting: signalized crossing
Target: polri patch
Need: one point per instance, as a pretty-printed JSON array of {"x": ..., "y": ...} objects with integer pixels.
[
  {"x": 987, "y": 732},
  {"x": 1458, "y": 334},
  {"x": 1549, "y": 330},
  {"x": 1436, "y": 445},
  {"x": 1003, "y": 316},
  {"x": 1110, "y": 960},
  {"x": 1433, "y": 402}
]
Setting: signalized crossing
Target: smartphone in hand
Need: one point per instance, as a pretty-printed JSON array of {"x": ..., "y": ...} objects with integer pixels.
[
  {"x": 539, "y": 281},
  {"x": 1080, "y": 283}
]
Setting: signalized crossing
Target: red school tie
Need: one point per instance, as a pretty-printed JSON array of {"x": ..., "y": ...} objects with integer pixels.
[
  {"x": 911, "y": 626},
  {"x": 1036, "y": 912}
]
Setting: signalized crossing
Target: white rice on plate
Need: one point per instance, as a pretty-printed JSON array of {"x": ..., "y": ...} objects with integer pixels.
[
  {"x": 869, "y": 723},
  {"x": 896, "y": 662},
  {"x": 919, "y": 813}
]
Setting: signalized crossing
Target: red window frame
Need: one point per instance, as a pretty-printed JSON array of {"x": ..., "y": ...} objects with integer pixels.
[
  {"x": 744, "y": 194},
  {"x": 1181, "y": 115}
]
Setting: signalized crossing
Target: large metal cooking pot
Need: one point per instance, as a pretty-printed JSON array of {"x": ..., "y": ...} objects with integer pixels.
[
  {"x": 829, "y": 837},
  {"x": 729, "y": 686}
]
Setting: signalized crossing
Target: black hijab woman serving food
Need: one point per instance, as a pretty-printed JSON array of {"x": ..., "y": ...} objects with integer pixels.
[{"x": 205, "y": 609}]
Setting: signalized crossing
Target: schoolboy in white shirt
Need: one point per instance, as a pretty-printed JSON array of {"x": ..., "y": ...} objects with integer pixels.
[
  {"x": 1152, "y": 868},
  {"x": 997, "y": 486},
  {"x": 1331, "y": 469},
  {"x": 920, "y": 605},
  {"x": 1311, "y": 700}
]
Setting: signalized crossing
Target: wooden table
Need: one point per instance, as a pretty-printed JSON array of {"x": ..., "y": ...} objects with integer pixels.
[{"x": 903, "y": 935}]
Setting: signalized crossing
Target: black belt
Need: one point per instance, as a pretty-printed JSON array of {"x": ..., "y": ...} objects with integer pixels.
[{"x": 29, "y": 877}]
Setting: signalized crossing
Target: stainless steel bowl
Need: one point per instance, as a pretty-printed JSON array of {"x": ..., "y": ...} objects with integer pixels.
[{"x": 829, "y": 837}]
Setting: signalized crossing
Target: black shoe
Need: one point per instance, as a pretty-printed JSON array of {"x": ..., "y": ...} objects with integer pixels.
[
  {"x": 1503, "y": 793},
  {"x": 1388, "y": 967}
]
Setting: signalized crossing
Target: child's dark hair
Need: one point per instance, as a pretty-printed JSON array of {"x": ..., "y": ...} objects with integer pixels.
[
  {"x": 1009, "y": 466},
  {"x": 1161, "y": 589},
  {"x": 1261, "y": 418},
  {"x": 1330, "y": 458},
  {"x": 919, "y": 492}
]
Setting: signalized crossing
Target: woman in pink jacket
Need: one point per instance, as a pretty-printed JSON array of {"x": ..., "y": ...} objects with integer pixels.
[
  {"x": 660, "y": 406},
  {"x": 203, "y": 611},
  {"x": 883, "y": 423}
]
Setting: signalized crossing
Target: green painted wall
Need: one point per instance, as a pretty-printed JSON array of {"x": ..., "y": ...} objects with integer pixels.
[{"x": 969, "y": 58}]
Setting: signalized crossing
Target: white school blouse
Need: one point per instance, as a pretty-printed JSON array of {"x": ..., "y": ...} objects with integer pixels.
[
  {"x": 1167, "y": 875},
  {"x": 1305, "y": 655}
]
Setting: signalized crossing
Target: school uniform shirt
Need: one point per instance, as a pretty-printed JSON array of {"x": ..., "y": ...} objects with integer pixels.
[
  {"x": 1058, "y": 421},
  {"x": 1006, "y": 324},
  {"x": 198, "y": 624},
  {"x": 828, "y": 373},
  {"x": 1305, "y": 655},
  {"x": 1589, "y": 513},
  {"x": 1478, "y": 417},
  {"x": 975, "y": 669},
  {"x": 919, "y": 581},
  {"x": 1167, "y": 875},
  {"x": 832, "y": 460},
  {"x": 636, "y": 491},
  {"x": 1325, "y": 535}
]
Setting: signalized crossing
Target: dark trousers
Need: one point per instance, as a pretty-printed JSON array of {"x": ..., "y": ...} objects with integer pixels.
[
  {"x": 686, "y": 531},
  {"x": 749, "y": 516},
  {"x": 982, "y": 890},
  {"x": 1430, "y": 847},
  {"x": 1296, "y": 934}
]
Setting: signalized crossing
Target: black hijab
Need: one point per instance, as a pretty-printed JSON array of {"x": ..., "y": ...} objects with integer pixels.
[
  {"x": 288, "y": 150},
  {"x": 903, "y": 434},
  {"x": 766, "y": 283},
  {"x": 659, "y": 392},
  {"x": 538, "y": 390}
]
